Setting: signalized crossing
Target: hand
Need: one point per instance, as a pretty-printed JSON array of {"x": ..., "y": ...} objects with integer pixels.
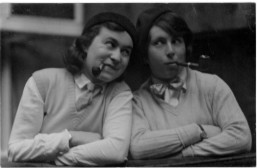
[
  {"x": 211, "y": 130},
  {"x": 81, "y": 137}
]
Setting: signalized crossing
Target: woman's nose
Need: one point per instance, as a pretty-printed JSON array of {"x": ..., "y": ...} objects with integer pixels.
[
  {"x": 116, "y": 56},
  {"x": 170, "y": 50}
]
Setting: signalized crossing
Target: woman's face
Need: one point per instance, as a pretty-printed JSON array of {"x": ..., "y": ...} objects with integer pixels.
[
  {"x": 111, "y": 49},
  {"x": 163, "y": 50}
]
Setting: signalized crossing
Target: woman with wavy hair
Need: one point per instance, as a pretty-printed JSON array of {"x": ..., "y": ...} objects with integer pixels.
[{"x": 81, "y": 114}]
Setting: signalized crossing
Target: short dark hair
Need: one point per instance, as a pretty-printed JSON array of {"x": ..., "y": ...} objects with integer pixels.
[
  {"x": 166, "y": 19},
  {"x": 176, "y": 26},
  {"x": 75, "y": 55}
]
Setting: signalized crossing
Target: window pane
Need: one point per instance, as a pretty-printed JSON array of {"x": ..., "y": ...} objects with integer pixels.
[{"x": 65, "y": 11}]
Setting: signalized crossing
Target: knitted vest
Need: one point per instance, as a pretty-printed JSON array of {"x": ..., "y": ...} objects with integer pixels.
[
  {"x": 57, "y": 89},
  {"x": 195, "y": 106}
]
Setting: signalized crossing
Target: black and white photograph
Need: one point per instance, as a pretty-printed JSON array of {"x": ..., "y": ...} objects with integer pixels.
[{"x": 128, "y": 84}]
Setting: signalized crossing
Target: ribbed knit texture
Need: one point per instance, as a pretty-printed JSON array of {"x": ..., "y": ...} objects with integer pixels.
[
  {"x": 61, "y": 112},
  {"x": 160, "y": 129}
]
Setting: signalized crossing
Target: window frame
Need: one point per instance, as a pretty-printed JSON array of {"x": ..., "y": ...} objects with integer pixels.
[{"x": 40, "y": 24}]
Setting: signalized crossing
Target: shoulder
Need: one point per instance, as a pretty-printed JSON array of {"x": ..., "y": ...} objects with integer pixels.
[
  {"x": 50, "y": 72},
  {"x": 115, "y": 88},
  {"x": 142, "y": 93},
  {"x": 208, "y": 82},
  {"x": 204, "y": 77},
  {"x": 51, "y": 75}
]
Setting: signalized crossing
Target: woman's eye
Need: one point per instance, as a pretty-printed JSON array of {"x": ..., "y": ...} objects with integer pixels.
[
  {"x": 159, "y": 42},
  {"x": 176, "y": 41},
  {"x": 126, "y": 53},
  {"x": 110, "y": 44}
]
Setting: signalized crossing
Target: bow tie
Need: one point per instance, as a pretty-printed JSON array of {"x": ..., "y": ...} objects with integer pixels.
[{"x": 159, "y": 88}]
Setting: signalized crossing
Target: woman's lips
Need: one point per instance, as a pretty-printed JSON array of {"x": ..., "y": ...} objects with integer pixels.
[
  {"x": 112, "y": 67},
  {"x": 171, "y": 63}
]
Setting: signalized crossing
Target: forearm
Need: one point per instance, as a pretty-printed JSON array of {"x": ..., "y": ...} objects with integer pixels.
[
  {"x": 26, "y": 142},
  {"x": 43, "y": 147},
  {"x": 155, "y": 144},
  {"x": 226, "y": 114},
  {"x": 102, "y": 152},
  {"x": 234, "y": 139},
  {"x": 82, "y": 137},
  {"x": 109, "y": 150}
]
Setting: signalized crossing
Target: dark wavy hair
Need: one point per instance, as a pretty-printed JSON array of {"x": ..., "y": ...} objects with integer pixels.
[
  {"x": 75, "y": 55},
  {"x": 176, "y": 26}
]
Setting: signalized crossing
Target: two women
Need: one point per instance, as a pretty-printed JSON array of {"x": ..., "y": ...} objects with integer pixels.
[{"x": 82, "y": 115}]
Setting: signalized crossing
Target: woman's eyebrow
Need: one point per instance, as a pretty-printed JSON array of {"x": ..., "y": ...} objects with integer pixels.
[
  {"x": 157, "y": 38},
  {"x": 117, "y": 42},
  {"x": 124, "y": 46},
  {"x": 112, "y": 39}
]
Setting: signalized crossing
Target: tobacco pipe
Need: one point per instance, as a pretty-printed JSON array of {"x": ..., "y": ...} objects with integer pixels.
[
  {"x": 203, "y": 63},
  {"x": 96, "y": 71},
  {"x": 187, "y": 64}
]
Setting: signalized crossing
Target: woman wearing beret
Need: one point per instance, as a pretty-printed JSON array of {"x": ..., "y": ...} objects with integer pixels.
[
  {"x": 81, "y": 114},
  {"x": 179, "y": 112}
]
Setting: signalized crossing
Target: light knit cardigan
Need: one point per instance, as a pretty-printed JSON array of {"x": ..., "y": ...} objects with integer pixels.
[
  {"x": 160, "y": 129},
  {"x": 38, "y": 131}
]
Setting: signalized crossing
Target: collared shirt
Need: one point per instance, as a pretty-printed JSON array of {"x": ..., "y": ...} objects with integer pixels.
[
  {"x": 81, "y": 81},
  {"x": 169, "y": 95},
  {"x": 182, "y": 75}
]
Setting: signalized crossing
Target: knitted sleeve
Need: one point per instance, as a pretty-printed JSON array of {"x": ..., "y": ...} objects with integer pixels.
[
  {"x": 235, "y": 136},
  {"x": 26, "y": 142}
]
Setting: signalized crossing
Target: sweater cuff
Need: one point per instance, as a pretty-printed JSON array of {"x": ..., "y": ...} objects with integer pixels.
[
  {"x": 65, "y": 147},
  {"x": 188, "y": 152},
  {"x": 66, "y": 159},
  {"x": 189, "y": 134}
]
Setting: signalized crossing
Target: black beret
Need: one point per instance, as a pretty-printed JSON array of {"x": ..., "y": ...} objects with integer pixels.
[
  {"x": 112, "y": 17},
  {"x": 145, "y": 22}
]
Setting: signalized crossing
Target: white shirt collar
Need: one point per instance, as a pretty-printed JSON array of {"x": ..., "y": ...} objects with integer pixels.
[
  {"x": 182, "y": 75},
  {"x": 81, "y": 80}
]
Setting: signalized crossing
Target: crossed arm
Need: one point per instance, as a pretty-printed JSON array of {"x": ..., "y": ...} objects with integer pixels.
[{"x": 230, "y": 135}]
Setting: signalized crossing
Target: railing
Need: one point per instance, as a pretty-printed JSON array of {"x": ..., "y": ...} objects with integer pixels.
[
  {"x": 248, "y": 159},
  {"x": 245, "y": 160}
]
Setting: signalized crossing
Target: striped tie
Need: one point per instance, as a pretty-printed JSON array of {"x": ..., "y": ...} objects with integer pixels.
[{"x": 86, "y": 98}]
